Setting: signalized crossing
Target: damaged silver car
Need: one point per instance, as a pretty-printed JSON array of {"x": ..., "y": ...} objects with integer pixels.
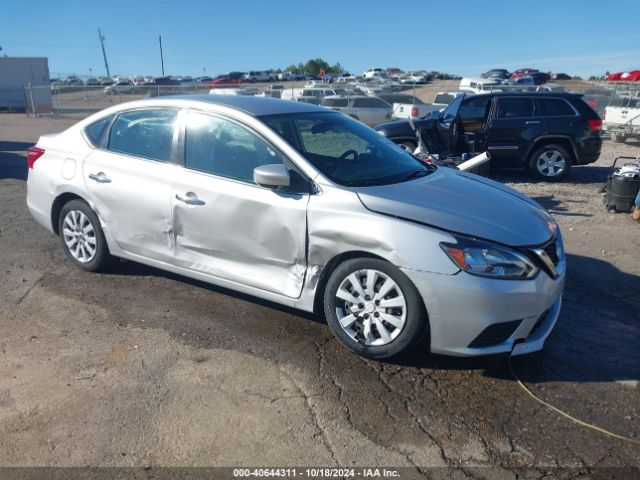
[{"x": 308, "y": 208}]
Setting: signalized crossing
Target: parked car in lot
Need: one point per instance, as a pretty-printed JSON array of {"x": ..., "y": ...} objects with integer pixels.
[
  {"x": 539, "y": 77},
  {"x": 231, "y": 78},
  {"x": 375, "y": 73},
  {"x": 92, "y": 82},
  {"x": 258, "y": 76},
  {"x": 73, "y": 81},
  {"x": 546, "y": 133},
  {"x": 522, "y": 72},
  {"x": 560, "y": 76},
  {"x": 121, "y": 86},
  {"x": 308, "y": 208},
  {"x": 369, "y": 110},
  {"x": 496, "y": 73},
  {"x": 414, "y": 78},
  {"x": 521, "y": 81},
  {"x": 405, "y": 105},
  {"x": 479, "y": 85}
]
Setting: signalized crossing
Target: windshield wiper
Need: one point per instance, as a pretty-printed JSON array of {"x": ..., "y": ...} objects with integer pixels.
[{"x": 416, "y": 174}]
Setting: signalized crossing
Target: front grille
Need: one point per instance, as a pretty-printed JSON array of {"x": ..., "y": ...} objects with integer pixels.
[
  {"x": 552, "y": 250},
  {"x": 495, "y": 334},
  {"x": 539, "y": 323}
]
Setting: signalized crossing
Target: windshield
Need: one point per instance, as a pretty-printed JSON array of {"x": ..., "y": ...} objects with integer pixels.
[{"x": 346, "y": 151}]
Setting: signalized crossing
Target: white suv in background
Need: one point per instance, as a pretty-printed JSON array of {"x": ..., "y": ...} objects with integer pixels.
[{"x": 258, "y": 76}]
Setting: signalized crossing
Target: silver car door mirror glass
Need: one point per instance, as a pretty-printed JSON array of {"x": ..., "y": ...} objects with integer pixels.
[{"x": 273, "y": 175}]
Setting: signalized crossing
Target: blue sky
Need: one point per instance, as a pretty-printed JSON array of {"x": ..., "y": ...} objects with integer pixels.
[{"x": 577, "y": 37}]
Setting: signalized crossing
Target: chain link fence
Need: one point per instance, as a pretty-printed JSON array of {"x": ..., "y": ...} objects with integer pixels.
[{"x": 80, "y": 101}]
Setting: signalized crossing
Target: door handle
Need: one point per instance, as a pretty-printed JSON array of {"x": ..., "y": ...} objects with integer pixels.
[
  {"x": 532, "y": 122},
  {"x": 99, "y": 177},
  {"x": 189, "y": 198}
]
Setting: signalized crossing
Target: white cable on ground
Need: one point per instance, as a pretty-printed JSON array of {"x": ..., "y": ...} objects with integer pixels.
[{"x": 564, "y": 414}]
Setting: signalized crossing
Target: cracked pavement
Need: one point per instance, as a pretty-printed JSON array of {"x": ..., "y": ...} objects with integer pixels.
[{"x": 138, "y": 367}]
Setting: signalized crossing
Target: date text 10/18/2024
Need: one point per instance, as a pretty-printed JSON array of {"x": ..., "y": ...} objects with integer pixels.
[{"x": 316, "y": 472}]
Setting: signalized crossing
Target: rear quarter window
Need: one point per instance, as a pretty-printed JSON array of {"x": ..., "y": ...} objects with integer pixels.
[
  {"x": 95, "y": 131},
  {"x": 555, "y": 107}
]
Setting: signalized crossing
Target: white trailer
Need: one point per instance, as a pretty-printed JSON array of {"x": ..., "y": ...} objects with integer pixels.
[{"x": 24, "y": 84}]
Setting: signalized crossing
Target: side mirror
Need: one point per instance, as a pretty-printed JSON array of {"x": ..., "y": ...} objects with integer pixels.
[{"x": 271, "y": 176}]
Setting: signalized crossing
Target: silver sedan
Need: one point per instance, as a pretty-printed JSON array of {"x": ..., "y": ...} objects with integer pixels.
[{"x": 309, "y": 208}]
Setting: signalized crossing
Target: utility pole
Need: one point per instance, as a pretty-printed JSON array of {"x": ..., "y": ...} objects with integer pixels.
[
  {"x": 104, "y": 54},
  {"x": 161, "y": 57}
]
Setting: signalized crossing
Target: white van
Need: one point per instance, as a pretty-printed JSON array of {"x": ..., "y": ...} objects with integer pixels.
[{"x": 479, "y": 85}]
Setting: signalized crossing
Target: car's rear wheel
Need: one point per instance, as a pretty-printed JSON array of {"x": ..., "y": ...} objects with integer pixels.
[
  {"x": 82, "y": 237},
  {"x": 550, "y": 162},
  {"x": 373, "y": 308}
]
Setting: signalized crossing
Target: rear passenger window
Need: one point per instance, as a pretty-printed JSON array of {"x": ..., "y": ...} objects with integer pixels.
[
  {"x": 96, "y": 130},
  {"x": 144, "y": 133},
  {"x": 221, "y": 147},
  {"x": 555, "y": 107},
  {"x": 515, "y": 108}
]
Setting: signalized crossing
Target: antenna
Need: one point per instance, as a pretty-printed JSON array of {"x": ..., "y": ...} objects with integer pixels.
[
  {"x": 161, "y": 57},
  {"x": 104, "y": 54}
]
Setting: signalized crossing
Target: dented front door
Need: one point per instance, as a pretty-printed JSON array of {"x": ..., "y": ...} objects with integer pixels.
[
  {"x": 223, "y": 223},
  {"x": 240, "y": 232}
]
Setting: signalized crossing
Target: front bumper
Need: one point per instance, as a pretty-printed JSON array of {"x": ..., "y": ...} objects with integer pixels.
[{"x": 462, "y": 306}]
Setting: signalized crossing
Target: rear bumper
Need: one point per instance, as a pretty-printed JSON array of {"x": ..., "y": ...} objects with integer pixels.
[
  {"x": 588, "y": 150},
  {"x": 461, "y": 307}
]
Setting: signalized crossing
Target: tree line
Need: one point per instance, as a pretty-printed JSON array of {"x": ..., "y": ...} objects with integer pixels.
[{"x": 313, "y": 67}]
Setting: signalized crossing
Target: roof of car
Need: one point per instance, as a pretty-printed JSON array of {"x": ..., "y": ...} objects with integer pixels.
[
  {"x": 255, "y": 106},
  {"x": 521, "y": 93}
]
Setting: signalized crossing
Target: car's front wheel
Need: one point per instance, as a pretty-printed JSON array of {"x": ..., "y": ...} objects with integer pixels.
[
  {"x": 373, "y": 308},
  {"x": 82, "y": 237},
  {"x": 551, "y": 163}
]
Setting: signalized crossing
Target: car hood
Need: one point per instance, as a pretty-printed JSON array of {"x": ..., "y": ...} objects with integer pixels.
[{"x": 463, "y": 203}]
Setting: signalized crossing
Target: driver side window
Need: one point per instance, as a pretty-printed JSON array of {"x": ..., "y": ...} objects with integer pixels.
[{"x": 221, "y": 147}]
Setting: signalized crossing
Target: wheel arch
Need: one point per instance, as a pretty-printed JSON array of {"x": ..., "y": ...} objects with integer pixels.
[
  {"x": 60, "y": 202},
  {"x": 563, "y": 141},
  {"x": 332, "y": 264}
]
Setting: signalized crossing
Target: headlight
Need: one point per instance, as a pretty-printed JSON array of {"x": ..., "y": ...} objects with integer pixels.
[{"x": 488, "y": 260}]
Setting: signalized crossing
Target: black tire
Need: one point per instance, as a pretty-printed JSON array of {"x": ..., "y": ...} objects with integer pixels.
[
  {"x": 536, "y": 162},
  {"x": 102, "y": 258},
  {"x": 415, "y": 324},
  {"x": 617, "y": 138},
  {"x": 407, "y": 145}
]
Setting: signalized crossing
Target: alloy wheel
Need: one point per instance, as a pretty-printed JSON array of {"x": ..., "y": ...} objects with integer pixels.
[
  {"x": 371, "y": 307},
  {"x": 79, "y": 236},
  {"x": 551, "y": 163}
]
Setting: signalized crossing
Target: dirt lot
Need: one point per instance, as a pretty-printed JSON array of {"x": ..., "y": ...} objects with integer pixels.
[{"x": 136, "y": 367}]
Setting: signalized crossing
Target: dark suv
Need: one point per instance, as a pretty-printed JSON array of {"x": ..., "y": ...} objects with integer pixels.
[{"x": 544, "y": 132}]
